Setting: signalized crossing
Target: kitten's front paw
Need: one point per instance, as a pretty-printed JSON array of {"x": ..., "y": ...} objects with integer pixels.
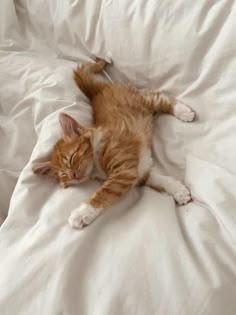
[
  {"x": 83, "y": 216},
  {"x": 183, "y": 112},
  {"x": 182, "y": 195}
]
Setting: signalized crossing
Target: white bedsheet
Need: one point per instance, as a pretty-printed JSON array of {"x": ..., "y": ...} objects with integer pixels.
[{"x": 145, "y": 256}]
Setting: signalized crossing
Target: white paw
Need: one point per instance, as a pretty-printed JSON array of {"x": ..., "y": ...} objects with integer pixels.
[
  {"x": 183, "y": 112},
  {"x": 83, "y": 216},
  {"x": 182, "y": 194}
]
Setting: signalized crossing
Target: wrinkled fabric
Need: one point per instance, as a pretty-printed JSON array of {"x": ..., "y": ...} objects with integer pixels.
[{"x": 145, "y": 255}]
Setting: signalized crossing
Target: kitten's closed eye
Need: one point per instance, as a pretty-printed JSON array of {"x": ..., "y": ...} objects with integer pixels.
[
  {"x": 63, "y": 175},
  {"x": 72, "y": 158}
]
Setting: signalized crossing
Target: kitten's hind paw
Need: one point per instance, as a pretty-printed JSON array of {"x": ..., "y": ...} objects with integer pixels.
[
  {"x": 183, "y": 112},
  {"x": 182, "y": 196}
]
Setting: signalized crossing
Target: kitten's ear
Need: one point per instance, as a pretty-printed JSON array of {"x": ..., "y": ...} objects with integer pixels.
[
  {"x": 70, "y": 126},
  {"x": 42, "y": 168}
]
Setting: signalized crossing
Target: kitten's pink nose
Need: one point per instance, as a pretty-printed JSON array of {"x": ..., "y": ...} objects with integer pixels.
[{"x": 74, "y": 175}]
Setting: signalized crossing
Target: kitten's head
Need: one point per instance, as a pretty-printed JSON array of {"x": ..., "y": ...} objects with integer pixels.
[{"x": 72, "y": 156}]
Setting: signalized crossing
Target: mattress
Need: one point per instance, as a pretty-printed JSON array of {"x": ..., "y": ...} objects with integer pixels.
[{"x": 145, "y": 255}]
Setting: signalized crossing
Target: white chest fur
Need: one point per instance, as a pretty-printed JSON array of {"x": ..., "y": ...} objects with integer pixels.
[
  {"x": 97, "y": 144},
  {"x": 145, "y": 162}
]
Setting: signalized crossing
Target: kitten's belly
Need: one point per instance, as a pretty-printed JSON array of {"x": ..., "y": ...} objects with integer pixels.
[
  {"x": 145, "y": 162},
  {"x": 144, "y": 166}
]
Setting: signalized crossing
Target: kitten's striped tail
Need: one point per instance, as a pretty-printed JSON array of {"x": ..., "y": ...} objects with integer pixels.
[{"x": 84, "y": 80}]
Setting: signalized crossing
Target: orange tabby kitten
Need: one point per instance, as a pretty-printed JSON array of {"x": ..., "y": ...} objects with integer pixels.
[{"x": 117, "y": 149}]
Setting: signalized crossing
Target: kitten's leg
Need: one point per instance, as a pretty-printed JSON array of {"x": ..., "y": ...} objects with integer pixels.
[
  {"x": 170, "y": 185},
  {"x": 104, "y": 197},
  {"x": 160, "y": 102}
]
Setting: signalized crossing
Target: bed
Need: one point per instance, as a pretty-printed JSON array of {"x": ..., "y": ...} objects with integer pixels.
[{"x": 146, "y": 255}]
